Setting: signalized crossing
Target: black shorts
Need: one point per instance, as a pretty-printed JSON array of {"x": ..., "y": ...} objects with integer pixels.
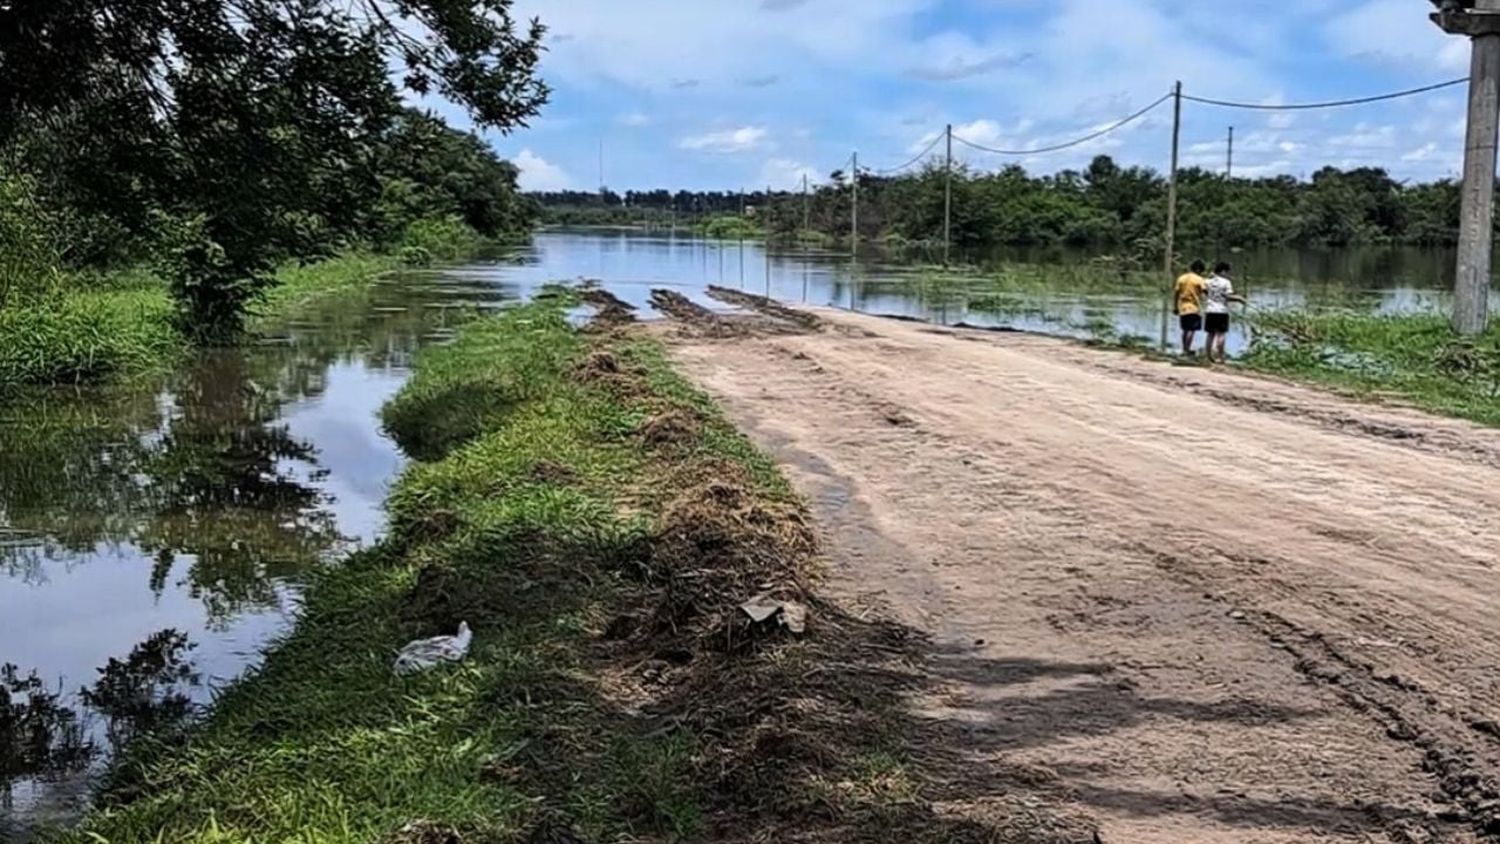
[
  {"x": 1216, "y": 323},
  {"x": 1190, "y": 322}
]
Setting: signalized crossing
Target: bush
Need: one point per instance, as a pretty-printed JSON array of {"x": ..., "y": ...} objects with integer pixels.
[
  {"x": 86, "y": 337},
  {"x": 731, "y": 228},
  {"x": 443, "y": 238},
  {"x": 452, "y": 400},
  {"x": 29, "y": 257}
]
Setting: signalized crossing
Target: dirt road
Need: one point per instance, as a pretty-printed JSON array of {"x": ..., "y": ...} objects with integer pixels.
[{"x": 1191, "y": 605}]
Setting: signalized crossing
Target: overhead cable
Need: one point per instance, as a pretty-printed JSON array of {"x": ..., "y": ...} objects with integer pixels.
[
  {"x": 913, "y": 160},
  {"x": 1069, "y": 144},
  {"x": 1330, "y": 104}
]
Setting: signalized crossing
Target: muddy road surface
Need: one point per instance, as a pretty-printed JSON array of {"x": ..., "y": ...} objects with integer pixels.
[{"x": 1188, "y": 605}]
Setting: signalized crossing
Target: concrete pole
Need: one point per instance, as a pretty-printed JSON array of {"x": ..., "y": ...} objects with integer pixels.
[
  {"x": 1476, "y": 220},
  {"x": 1480, "y": 20},
  {"x": 948, "y": 199},
  {"x": 854, "y": 214},
  {"x": 1170, "y": 259}
]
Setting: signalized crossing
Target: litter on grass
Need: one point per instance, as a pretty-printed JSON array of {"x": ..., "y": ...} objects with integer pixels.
[{"x": 424, "y": 654}]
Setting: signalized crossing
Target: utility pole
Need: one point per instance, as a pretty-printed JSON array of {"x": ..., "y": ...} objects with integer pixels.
[
  {"x": 948, "y": 198},
  {"x": 1480, "y": 21},
  {"x": 1170, "y": 259},
  {"x": 766, "y": 248},
  {"x": 806, "y": 209},
  {"x": 854, "y": 214},
  {"x": 601, "y": 165},
  {"x": 1229, "y": 168}
]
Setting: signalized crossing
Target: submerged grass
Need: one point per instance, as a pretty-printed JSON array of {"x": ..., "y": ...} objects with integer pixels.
[
  {"x": 1414, "y": 358},
  {"x": 598, "y": 524},
  {"x": 104, "y": 326}
]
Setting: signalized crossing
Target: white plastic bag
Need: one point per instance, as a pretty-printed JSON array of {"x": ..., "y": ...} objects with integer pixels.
[{"x": 423, "y": 654}]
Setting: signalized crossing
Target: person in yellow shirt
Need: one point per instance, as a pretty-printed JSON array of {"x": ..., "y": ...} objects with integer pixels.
[{"x": 1187, "y": 303}]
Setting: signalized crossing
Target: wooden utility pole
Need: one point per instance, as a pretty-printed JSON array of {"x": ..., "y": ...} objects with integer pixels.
[
  {"x": 1171, "y": 257},
  {"x": 948, "y": 199},
  {"x": 1480, "y": 21},
  {"x": 854, "y": 214},
  {"x": 1229, "y": 167}
]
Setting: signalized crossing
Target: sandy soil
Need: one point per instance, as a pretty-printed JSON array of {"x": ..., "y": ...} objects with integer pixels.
[{"x": 1192, "y": 605}]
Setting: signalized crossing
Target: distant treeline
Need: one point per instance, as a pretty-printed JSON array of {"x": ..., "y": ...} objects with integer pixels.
[{"x": 1104, "y": 205}]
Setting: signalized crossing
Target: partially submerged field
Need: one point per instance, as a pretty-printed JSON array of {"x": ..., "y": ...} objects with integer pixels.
[
  {"x": 1414, "y": 358},
  {"x": 601, "y": 528},
  {"x": 112, "y": 326}
]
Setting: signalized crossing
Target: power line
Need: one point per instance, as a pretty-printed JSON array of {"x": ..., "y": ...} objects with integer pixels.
[
  {"x": 1073, "y": 143},
  {"x": 1329, "y": 104},
  {"x": 913, "y": 160}
]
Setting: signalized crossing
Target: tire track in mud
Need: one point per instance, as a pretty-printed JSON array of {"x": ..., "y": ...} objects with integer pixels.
[{"x": 1402, "y": 707}]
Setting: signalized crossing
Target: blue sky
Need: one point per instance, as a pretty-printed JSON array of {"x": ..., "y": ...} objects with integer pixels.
[{"x": 743, "y": 93}]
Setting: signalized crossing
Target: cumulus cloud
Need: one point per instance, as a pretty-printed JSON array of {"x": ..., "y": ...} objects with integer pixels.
[
  {"x": 538, "y": 174},
  {"x": 743, "y": 139},
  {"x": 1396, "y": 32},
  {"x": 786, "y": 174}
]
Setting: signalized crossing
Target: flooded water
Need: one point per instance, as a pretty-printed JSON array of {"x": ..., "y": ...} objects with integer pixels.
[
  {"x": 153, "y": 537},
  {"x": 1068, "y": 303},
  {"x": 193, "y": 503}
]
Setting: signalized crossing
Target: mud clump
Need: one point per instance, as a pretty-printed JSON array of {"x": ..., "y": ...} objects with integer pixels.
[
  {"x": 425, "y": 832},
  {"x": 695, "y": 318},
  {"x": 673, "y": 427},
  {"x": 604, "y": 369},
  {"x": 610, "y": 311},
  {"x": 766, "y": 306},
  {"x": 552, "y": 473},
  {"x": 718, "y": 546}
]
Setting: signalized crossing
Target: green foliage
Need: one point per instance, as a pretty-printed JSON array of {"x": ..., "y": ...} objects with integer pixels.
[
  {"x": 323, "y": 744},
  {"x": 94, "y": 326},
  {"x": 29, "y": 255},
  {"x": 1415, "y": 357},
  {"x": 274, "y": 132},
  {"x": 469, "y": 386},
  {"x": 731, "y": 227},
  {"x": 442, "y": 238},
  {"x": 85, "y": 337},
  {"x": 1104, "y": 206}
]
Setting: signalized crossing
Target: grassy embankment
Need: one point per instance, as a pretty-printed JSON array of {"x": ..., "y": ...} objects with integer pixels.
[
  {"x": 1413, "y": 358},
  {"x": 598, "y": 525},
  {"x": 95, "y": 326}
]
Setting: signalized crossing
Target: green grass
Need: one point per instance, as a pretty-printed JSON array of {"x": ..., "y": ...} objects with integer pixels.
[
  {"x": 103, "y": 326},
  {"x": 1415, "y": 358},
  {"x": 731, "y": 227},
  {"x": 297, "y": 284},
  {"x": 536, "y": 490},
  {"x": 85, "y": 336}
]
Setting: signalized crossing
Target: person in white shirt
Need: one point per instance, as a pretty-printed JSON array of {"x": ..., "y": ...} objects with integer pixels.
[{"x": 1218, "y": 293}]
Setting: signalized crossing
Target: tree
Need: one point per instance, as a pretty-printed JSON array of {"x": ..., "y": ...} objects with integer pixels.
[{"x": 263, "y": 117}]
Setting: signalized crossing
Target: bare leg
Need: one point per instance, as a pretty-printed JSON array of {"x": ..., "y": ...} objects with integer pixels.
[{"x": 1187, "y": 342}]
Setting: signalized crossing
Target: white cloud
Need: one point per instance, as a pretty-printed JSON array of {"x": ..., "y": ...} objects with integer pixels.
[
  {"x": 786, "y": 174},
  {"x": 743, "y": 139},
  {"x": 1366, "y": 137},
  {"x": 1426, "y": 152},
  {"x": 538, "y": 174},
  {"x": 1396, "y": 32},
  {"x": 634, "y": 120},
  {"x": 651, "y": 43}
]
